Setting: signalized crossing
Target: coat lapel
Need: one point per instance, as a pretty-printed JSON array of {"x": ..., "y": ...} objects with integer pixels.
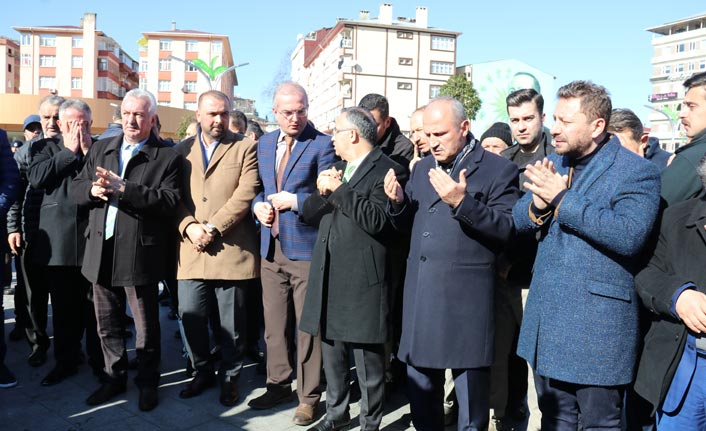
[
  {"x": 697, "y": 219},
  {"x": 228, "y": 142},
  {"x": 366, "y": 166}
]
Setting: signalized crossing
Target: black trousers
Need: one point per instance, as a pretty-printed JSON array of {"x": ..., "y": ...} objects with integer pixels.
[
  {"x": 72, "y": 315},
  {"x": 37, "y": 300},
  {"x": 370, "y": 367}
]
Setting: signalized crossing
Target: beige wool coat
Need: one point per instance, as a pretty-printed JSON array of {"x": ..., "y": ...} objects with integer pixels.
[{"x": 220, "y": 195}]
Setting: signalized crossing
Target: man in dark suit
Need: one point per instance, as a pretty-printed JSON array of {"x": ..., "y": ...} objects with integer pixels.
[
  {"x": 60, "y": 241},
  {"x": 672, "y": 370},
  {"x": 348, "y": 286},
  {"x": 289, "y": 161},
  {"x": 457, "y": 205},
  {"x": 131, "y": 183}
]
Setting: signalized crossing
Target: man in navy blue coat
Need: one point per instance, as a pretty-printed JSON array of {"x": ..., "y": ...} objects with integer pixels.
[
  {"x": 458, "y": 206},
  {"x": 594, "y": 203}
]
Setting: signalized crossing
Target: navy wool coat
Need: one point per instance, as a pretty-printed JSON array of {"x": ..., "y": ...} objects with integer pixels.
[
  {"x": 581, "y": 317},
  {"x": 447, "y": 319}
]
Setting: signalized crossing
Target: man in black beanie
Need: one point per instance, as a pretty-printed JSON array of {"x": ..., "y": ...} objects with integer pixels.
[{"x": 497, "y": 138}]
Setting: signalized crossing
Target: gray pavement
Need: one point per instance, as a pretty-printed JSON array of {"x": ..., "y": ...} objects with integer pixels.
[{"x": 29, "y": 406}]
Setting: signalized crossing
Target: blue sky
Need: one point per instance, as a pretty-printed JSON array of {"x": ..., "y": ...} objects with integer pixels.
[{"x": 604, "y": 41}]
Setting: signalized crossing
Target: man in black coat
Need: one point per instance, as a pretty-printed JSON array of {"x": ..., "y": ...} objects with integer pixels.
[
  {"x": 390, "y": 139},
  {"x": 672, "y": 370},
  {"x": 347, "y": 294},
  {"x": 59, "y": 242},
  {"x": 131, "y": 184}
]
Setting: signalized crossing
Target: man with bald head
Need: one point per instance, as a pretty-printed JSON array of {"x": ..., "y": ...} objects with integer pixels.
[
  {"x": 458, "y": 207},
  {"x": 131, "y": 185},
  {"x": 289, "y": 161}
]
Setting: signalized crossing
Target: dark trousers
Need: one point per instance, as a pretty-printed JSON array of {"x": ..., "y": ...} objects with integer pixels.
[
  {"x": 248, "y": 315},
  {"x": 508, "y": 374},
  {"x": 110, "y": 312},
  {"x": 22, "y": 319},
  {"x": 283, "y": 282},
  {"x": 370, "y": 368},
  {"x": 197, "y": 301},
  {"x": 561, "y": 403},
  {"x": 37, "y": 294},
  {"x": 72, "y": 315},
  {"x": 425, "y": 390}
]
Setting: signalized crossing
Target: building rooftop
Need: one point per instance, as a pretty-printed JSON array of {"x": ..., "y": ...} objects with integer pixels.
[{"x": 692, "y": 23}]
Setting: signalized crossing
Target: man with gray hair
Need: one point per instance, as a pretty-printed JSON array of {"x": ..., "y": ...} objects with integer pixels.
[
  {"x": 457, "y": 205},
  {"x": 131, "y": 185},
  {"x": 593, "y": 204},
  {"x": 22, "y": 224},
  {"x": 348, "y": 291},
  {"x": 672, "y": 370},
  {"x": 60, "y": 241}
]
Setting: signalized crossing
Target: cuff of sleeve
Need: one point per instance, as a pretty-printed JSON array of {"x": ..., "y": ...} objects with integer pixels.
[
  {"x": 538, "y": 218},
  {"x": 673, "y": 304}
]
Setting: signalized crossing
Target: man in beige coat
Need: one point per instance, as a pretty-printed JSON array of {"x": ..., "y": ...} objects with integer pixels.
[{"x": 218, "y": 251}]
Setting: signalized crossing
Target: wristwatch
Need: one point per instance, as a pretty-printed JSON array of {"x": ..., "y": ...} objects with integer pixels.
[{"x": 212, "y": 230}]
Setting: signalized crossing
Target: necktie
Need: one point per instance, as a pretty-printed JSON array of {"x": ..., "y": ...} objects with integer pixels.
[
  {"x": 112, "y": 214},
  {"x": 288, "y": 142},
  {"x": 348, "y": 173}
]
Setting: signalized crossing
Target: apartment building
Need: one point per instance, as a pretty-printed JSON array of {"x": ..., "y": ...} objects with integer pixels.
[
  {"x": 74, "y": 61},
  {"x": 167, "y": 71},
  {"x": 401, "y": 58},
  {"x": 679, "y": 51},
  {"x": 9, "y": 65}
]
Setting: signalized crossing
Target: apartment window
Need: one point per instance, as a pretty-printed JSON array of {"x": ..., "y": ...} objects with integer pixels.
[
  {"x": 190, "y": 67},
  {"x": 77, "y": 42},
  {"x": 9, "y": 68},
  {"x": 165, "y": 85},
  {"x": 346, "y": 39},
  {"x": 26, "y": 39},
  {"x": 47, "y": 82},
  {"x": 144, "y": 65},
  {"x": 47, "y": 61},
  {"x": 164, "y": 103},
  {"x": 680, "y": 47},
  {"x": 102, "y": 64},
  {"x": 667, "y": 69},
  {"x": 47, "y": 40},
  {"x": 192, "y": 45},
  {"x": 442, "y": 68},
  {"x": 165, "y": 64},
  {"x": 692, "y": 46},
  {"x": 434, "y": 91},
  {"x": 76, "y": 61},
  {"x": 26, "y": 60},
  {"x": 76, "y": 83},
  {"x": 405, "y": 35},
  {"x": 692, "y": 66},
  {"x": 404, "y": 61},
  {"x": 702, "y": 65},
  {"x": 679, "y": 68},
  {"x": 216, "y": 46},
  {"x": 404, "y": 85},
  {"x": 191, "y": 106},
  {"x": 442, "y": 43},
  {"x": 143, "y": 83},
  {"x": 165, "y": 45},
  {"x": 190, "y": 87}
]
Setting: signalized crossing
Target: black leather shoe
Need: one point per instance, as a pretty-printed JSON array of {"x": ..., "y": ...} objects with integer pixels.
[
  {"x": 229, "y": 394},
  {"x": 148, "y": 398},
  {"x": 198, "y": 384},
  {"x": 37, "y": 358},
  {"x": 275, "y": 395},
  {"x": 329, "y": 425},
  {"x": 58, "y": 374},
  {"x": 105, "y": 393}
]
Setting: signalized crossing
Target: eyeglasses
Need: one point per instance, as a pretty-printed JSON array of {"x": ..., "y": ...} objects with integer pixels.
[
  {"x": 335, "y": 130},
  {"x": 299, "y": 113}
]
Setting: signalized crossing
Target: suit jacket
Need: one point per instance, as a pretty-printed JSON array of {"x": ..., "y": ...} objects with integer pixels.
[
  {"x": 678, "y": 259},
  {"x": 447, "y": 318},
  {"x": 144, "y": 228},
  {"x": 347, "y": 294},
  {"x": 60, "y": 240},
  {"x": 581, "y": 318},
  {"x": 312, "y": 154},
  {"x": 220, "y": 195}
]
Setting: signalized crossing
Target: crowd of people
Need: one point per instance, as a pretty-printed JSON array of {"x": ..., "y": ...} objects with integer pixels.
[{"x": 405, "y": 256}]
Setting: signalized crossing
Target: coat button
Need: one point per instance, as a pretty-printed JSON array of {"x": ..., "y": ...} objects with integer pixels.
[
  {"x": 432, "y": 210},
  {"x": 203, "y": 199},
  {"x": 426, "y": 234},
  {"x": 423, "y": 258}
]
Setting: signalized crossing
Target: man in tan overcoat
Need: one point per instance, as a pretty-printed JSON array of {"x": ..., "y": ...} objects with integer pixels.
[{"x": 218, "y": 252}]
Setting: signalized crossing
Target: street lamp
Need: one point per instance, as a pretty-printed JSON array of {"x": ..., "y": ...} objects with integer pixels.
[{"x": 673, "y": 123}]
